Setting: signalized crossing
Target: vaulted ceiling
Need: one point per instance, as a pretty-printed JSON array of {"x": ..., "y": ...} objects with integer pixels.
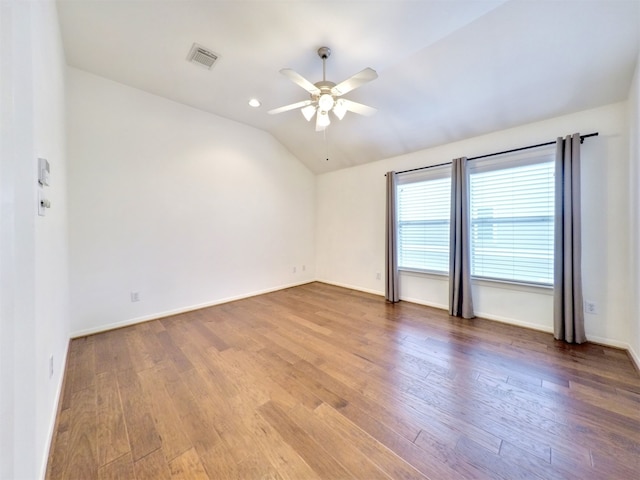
[{"x": 448, "y": 69}]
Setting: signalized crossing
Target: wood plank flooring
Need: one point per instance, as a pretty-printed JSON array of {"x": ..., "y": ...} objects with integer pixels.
[{"x": 322, "y": 382}]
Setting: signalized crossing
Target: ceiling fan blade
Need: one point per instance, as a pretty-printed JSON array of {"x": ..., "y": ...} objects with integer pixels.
[
  {"x": 322, "y": 120},
  {"x": 358, "y": 108},
  {"x": 298, "y": 79},
  {"x": 355, "y": 81},
  {"x": 293, "y": 106}
]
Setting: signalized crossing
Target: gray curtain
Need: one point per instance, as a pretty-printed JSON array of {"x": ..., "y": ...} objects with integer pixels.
[
  {"x": 568, "y": 313},
  {"x": 460, "y": 300},
  {"x": 392, "y": 287}
]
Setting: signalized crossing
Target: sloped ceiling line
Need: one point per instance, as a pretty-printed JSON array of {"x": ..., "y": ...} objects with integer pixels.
[{"x": 447, "y": 70}]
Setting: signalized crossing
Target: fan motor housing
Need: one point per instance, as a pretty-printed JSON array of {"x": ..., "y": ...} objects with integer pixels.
[{"x": 325, "y": 86}]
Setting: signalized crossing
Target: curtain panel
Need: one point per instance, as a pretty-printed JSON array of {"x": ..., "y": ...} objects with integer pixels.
[
  {"x": 568, "y": 312},
  {"x": 460, "y": 299},
  {"x": 392, "y": 286}
]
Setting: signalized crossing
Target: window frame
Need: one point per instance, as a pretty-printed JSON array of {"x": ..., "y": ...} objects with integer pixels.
[
  {"x": 437, "y": 172},
  {"x": 544, "y": 154},
  {"x": 540, "y": 155}
]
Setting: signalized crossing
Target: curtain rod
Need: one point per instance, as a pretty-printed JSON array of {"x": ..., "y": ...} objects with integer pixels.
[{"x": 582, "y": 137}]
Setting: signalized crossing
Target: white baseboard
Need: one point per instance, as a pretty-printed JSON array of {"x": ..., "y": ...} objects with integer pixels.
[
  {"x": 54, "y": 418},
  {"x": 517, "y": 323},
  {"x": 177, "y": 311},
  {"x": 608, "y": 342},
  {"x": 426, "y": 304},
  {"x": 635, "y": 358},
  {"x": 352, "y": 287}
]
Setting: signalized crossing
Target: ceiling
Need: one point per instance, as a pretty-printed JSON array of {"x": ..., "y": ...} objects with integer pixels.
[{"x": 448, "y": 69}]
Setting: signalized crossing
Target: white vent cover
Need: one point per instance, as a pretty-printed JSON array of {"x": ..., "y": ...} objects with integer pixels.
[{"x": 202, "y": 56}]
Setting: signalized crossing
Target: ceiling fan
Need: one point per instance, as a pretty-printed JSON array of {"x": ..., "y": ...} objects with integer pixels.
[{"x": 326, "y": 96}]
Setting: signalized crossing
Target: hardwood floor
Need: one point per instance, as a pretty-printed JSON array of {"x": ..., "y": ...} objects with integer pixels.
[{"x": 322, "y": 382}]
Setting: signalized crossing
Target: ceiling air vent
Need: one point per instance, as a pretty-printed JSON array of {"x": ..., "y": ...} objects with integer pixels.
[{"x": 201, "y": 56}]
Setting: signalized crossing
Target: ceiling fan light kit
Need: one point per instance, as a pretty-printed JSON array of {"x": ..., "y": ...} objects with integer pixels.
[{"x": 326, "y": 95}]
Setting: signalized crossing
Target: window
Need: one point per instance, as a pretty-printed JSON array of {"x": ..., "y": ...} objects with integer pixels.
[
  {"x": 423, "y": 220},
  {"x": 512, "y": 218},
  {"x": 512, "y": 210}
]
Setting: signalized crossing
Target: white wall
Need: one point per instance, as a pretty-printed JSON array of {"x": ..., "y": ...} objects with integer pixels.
[
  {"x": 634, "y": 187},
  {"x": 350, "y": 226},
  {"x": 34, "y": 316},
  {"x": 182, "y": 206}
]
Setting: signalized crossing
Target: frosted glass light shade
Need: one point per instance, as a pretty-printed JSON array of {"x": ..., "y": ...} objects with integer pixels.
[
  {"x": 323, "y": 119},
  {"x": 308, "y": 112},
  {"x": 325, "y": 102},
  {"x": 339, "y": 109}
]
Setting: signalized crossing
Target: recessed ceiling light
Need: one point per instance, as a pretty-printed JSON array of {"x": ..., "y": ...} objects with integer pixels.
[{"x": 254, "y": 102}]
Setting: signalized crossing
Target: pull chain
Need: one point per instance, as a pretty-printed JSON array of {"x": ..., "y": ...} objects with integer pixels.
[{"x": 326, "y": 145}]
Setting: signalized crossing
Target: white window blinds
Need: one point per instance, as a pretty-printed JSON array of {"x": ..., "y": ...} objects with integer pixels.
[
  {"x": 512, "y": 209},
  {"x": 423, "y": 220}
]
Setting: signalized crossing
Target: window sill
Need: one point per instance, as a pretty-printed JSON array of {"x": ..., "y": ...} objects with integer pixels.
[
  {"x": 519, "y": 286},
  {"x": 416, "y": 272},
  {"x": 483, "y": 282}
]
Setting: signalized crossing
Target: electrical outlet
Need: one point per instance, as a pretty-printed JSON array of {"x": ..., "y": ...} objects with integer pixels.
[
  {"x": 135, "y": 296},
  {"x": 51, "y": 366},
  {"x": 304, "y": 268},
  {"x": 590, "y": 307},
  {"x": 378, "y": 276},
  {"x": 294, "y": 269}
]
